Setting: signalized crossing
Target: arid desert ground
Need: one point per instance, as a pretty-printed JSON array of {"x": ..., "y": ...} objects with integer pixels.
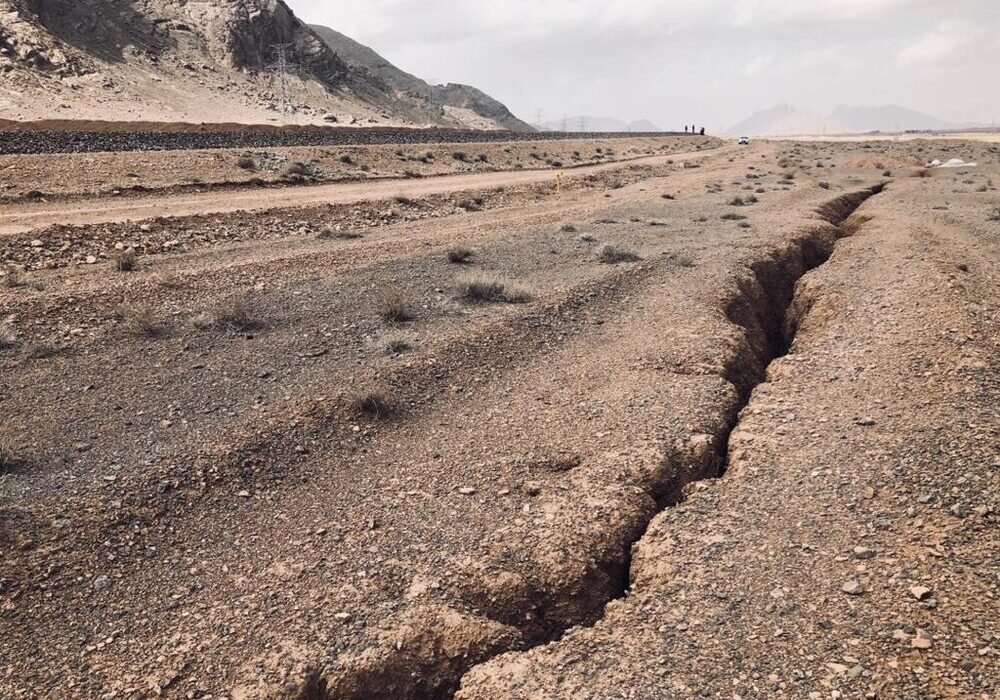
[{"x": 579, "y": 419}]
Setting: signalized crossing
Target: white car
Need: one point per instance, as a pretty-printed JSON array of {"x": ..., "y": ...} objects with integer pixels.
[{"x": 744, "y": 140}]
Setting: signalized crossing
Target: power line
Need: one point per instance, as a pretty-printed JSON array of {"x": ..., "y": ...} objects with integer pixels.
[{"x": 281, "y": 68}]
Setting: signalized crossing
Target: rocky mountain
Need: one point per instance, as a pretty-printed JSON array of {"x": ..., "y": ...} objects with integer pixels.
[
  {"x": 786, "y": 120},
  {"x": 462, "y": 104},
  {"x": 195, "y": 60}
]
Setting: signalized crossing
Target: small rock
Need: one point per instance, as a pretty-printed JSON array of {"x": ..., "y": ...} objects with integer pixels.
[
  {"x": 101, "y": 583},
  {"x": 853, "y": 587},
  {"x": 923, "y": 640},
  {"x": 921, "y": 592},
  {"x": 467, "y": 491}
]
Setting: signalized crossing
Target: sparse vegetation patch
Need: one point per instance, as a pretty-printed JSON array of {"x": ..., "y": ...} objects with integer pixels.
[
  {"x": 612, "y": 255},
  {"x": 484, "y": 289}
]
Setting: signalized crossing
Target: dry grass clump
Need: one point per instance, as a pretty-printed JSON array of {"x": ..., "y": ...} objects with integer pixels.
[
  {"x": 474, "y": 204},
  {"x": 612, "y": 255},
  {"x": 485, "y": 289},
  {"x": 568, "y": 228},
  {"x": 8, "y": 336},
  {"x": 237, "y": 315},
  {"x": 732, "y": 216},
  {"x": 8, "y": 460},
  {"x": 396, "y": 309},
  {"x": 743, "y": 201},
  {"x": 12, "y": 277},
  {"x": 127, "y": 260},
  {"x": 396, "y": 343},
  {"x": 144, "y": 322},
  {"x": 246, "y": 162},
  {"x": 373, "y": 405},
  {"x": 459, "y": 255},
  {"x": 327, "y": 234},
  {"x": 347, "y": 159},
  {"x": 824, "y": 185},
  {"x": 994, "y": 215}
]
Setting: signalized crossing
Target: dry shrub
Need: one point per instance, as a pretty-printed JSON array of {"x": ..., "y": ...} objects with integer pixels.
[
  {"x": 127, "y": 260},
  {"x": 237, "y": 315},
  {"x": 8, "y": 336},
  {"x": 144, "y": 322},
  {"x": 612, "y": 255},
  {"x": 373, "y": 405},
  {"x": 395, "y": 308},
  {"x": 459, "y": 256},
  {"x": 485, "y": 289}
]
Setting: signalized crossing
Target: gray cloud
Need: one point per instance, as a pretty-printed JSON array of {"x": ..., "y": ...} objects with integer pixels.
[{"x": 705, "y": 61}]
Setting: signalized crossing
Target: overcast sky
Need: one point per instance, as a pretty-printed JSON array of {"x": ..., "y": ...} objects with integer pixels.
[{"x": 707, "y": 61}]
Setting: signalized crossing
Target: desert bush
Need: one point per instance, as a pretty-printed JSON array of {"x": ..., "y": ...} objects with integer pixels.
[
  {"x": 327, "y": 233},
  {"x": 396, "y": 343},
  {"x": 994, "y": 215},
  {"x": 127, "y": 260},
  {"x": 568, "y": 228},
  {"x": 41, "y": 350},
  {"x": 8, "y": 336},
  {"x": 612, "y": 255},
  {"x": 395, "y": 308},
  {"x": 459, "y": 255},
  {"x": 12, "y": 277},
  {"x": 731, "y": 216},
  {"x": 491, "y": 290},
  {"x": 297, "y": 169},
  {"x": 373, "y": 405},
  {"x": 347, "y": 159},
  {"x": 460, "y": 156},
  {"x": 404, "y": 200},
  {"x": 668, "y": 196},
  {"x": 246, "y": 162},
  {"x": 236, "y": 315},
  {"x": 824, "y": 185},
  {"x": 8, "y": 459},
  {"x": 144, "y": 322},
  {"x": 474, "y": 204}
]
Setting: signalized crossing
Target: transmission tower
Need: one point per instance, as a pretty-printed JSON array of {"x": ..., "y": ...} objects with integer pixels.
[{"x": 281, "y": 68}]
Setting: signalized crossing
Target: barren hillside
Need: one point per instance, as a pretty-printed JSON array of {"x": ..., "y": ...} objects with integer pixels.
[{"x": 171, "y": 60}]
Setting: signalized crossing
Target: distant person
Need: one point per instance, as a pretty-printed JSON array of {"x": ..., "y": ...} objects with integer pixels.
[
  {"x": 685, "y": 128},
  {"x": 702, "y": 132}
]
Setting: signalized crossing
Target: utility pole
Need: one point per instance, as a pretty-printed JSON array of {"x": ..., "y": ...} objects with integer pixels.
[
  {"x": 281, "y": 67},
  {"x": 565, "y": 123}
]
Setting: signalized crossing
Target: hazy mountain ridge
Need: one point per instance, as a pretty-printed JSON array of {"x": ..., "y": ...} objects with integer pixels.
[
  {"x": 599, "y": 124},
  {"x": 787, "y": 120}
]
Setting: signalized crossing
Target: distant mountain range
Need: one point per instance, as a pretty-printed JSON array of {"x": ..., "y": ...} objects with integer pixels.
[
  {"x": 786, "y": 120},
  {"x": 598, "y": 124}
]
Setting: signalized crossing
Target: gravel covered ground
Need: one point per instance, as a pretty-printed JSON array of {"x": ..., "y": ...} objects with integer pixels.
[
  {"x": 382, "y": 450},
  {"x": 42, "y": 141}
]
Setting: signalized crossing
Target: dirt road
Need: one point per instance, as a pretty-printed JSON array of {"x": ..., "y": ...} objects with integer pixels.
[
  {"x": 18, "y": 218},
  {"x": 413, "y": 458}
]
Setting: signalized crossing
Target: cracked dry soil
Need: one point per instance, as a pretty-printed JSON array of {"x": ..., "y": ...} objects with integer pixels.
[{"x": 209, "y": 511}]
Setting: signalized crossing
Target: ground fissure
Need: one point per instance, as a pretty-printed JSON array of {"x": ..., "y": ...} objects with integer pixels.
[{"x": 760, "y": 307}]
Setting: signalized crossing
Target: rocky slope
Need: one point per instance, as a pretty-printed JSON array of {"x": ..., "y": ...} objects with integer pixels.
[
  {"x": 459, "y": 104},
  {"x": 171, "y": 60}
]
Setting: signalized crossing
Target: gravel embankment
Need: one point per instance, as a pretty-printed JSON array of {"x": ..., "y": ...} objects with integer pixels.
[{"x": 35, "y": 142}]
